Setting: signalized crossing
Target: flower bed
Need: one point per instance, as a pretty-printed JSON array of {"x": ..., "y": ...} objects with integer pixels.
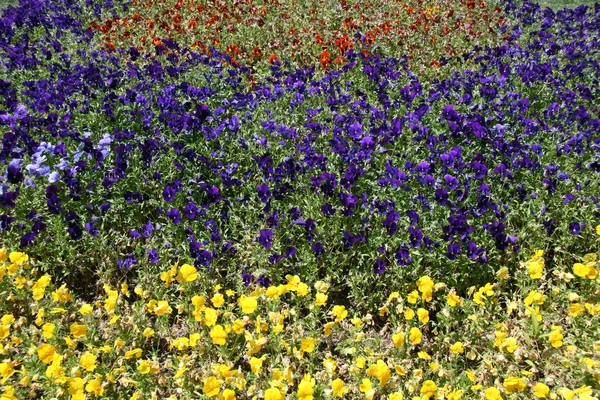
[{"x": 205, "y": 224}]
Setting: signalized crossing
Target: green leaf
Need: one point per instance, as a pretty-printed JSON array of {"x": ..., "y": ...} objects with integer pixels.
[{"x": 534, "y": 323}]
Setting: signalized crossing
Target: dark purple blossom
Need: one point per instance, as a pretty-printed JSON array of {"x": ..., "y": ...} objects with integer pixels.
[
  {"x": 265, "y": 238},
  {"x": 152, "y": 255},
  {"x": 127, "y": 262}
]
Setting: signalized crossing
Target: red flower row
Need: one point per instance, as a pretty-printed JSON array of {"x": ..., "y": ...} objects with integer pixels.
[{"x": 253, "y": 34}]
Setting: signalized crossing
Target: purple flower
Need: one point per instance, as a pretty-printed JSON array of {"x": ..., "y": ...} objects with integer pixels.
[
  {"x": 169, "y": 193},
  {"x": 14, "y": 175},
  {"x": 265, "y": 238},
  {"x": 403, "y": 257},
  {"x": 451, "y": 181},
  {"x": 152, "y": 256},
  {"x": 190, "y": 210},
  {"x": 247, "y": 279},
  {"x": 204, "y": 257},
  {"x": 5, "y": 222},
  {"x": 390, "y": 222},
  {"x": 53, "y": 201},
  {"x": 91, "y": 228},
  {"x": 147, "y": 229},
  {"x": 263, "y": 281},
  {"x": 423, "y": 167},
  {"x": 126, "y": 263},
  {"x": 27, "y": 239},
  {"x": 327, "y": 210},
  {"x": 416, "y": 236},
  {"x": 355, "y": 130},
  {"x": 453, "y": 251},
  {"x": 318, "y": 248},
  {"x": 568, "y": 198},
  {"x": 273, "y": 220},
  {"x": 379, "y": 267},
  {"x": 264, "y": 194}
]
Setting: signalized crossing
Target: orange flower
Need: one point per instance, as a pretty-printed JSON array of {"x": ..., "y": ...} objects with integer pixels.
[
  {"x": 340, "y": 60},
  {"x": 325, "y": 59},
  {"x": 272, "y": 58},
  {"x": 318, "y": 38},
  {"x": 233, "y": 49}
]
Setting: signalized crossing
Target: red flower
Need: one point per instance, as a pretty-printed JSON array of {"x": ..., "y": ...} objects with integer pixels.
[
  {"x": 272, "y": 58},
  {"x": 318, "y": 38},
  {"x": 233, "y": 49},
  {"x": 325, "y": 59}
]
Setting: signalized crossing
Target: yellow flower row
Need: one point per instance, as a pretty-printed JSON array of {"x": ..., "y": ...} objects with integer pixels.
[{"x": 284, "y": 341}]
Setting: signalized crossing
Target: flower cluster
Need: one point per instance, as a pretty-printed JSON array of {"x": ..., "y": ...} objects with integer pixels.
[
  {"x": 307, "y": 33},
  {"x": 168, "y": 338},
  {"x": 113, "y": 163}
]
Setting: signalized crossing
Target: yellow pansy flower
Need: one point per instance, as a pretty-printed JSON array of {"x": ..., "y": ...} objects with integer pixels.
[
  {"x": 78, "y": 330},
  {"x": 540, "y": 390},
  {"x": 415, "y": 336},
  {"x": 247, "y": 304},
  {"x": 308, "y": 345},
  {"x": 535, "y": 268},
  {"x": 212, "y": 386},
  {"x": 218, "y": 335},
  {"x": 146, "y": 367},
  {"x": 95, "y": 386},
  {"x": 273, "y": 394},
  {"x": 423, "y": 315},
  {"x": 86, "y": 309},
  {"x": 413, "y": 297},
  {"x": 514, "y": 384},
  {"x": 87, "y": 361},
  {"x": 339, "y": 388},
  {"x": 162, "y": 308},
  {"x": 137, "y": 353},
  {"x": 306, "y": 388},
  {"x": 556, "y": 338},
  {"x": 398, "y": 339},
  {"x": 48, "y": 330},
  {"x": 340, "y": 313},
  {"x": 18, "y": 258},
  {"x": 457, "y": 348},
  {"x": 453, "y": 300},
  {"x": 45, "y": 353},
  {"x": 320, "y": 299},
  {"x": 428, "y": 389},
  {"x": 492, "y": 394},
  {"x": 187, "y": 273},
  {"x": 218, "y": 300}
]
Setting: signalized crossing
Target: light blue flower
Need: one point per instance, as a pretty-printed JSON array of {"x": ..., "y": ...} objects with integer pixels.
[{"x": 53, "y": 177}]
